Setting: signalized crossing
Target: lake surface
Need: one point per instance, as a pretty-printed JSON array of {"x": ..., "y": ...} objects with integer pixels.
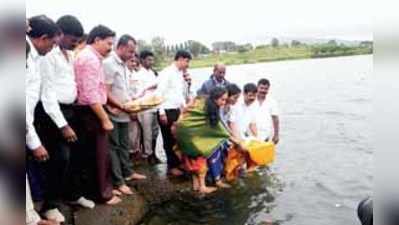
[{"x": 324, "y": 160}]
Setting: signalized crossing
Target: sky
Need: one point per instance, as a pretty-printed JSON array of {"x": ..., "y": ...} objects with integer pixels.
[{"x": 218, "y": 20}]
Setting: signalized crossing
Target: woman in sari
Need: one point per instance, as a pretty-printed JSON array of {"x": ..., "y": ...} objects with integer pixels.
[{"x": 203, "y": 140}]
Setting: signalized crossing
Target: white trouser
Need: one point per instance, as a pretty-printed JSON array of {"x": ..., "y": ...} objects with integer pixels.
[{"x": 149, "y": 124}]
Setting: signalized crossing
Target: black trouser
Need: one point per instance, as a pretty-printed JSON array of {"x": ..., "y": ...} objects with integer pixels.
[
  {"x": 95, "y": 144},
  {"x": 62, "y": 176},
  {"x": 168, "y": 140}
]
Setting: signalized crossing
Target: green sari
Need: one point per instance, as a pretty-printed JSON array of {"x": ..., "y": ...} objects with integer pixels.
[{"x": 195, "y": 136}]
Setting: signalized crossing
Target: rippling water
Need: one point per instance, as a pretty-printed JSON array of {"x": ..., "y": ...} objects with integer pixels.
[{"x": 324, "y": 161}]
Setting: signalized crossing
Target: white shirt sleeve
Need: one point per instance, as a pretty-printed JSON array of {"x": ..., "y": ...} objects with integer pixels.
[
  {"x": 32, "y": 139},
  {"x": 48, "y": 94},
  {"x": 233, "y": 115},
  {"x": 253, "y": 113},
  {"x": 162, "y": 87},
  {"x": 108, "y": 71},
  {"x": 274, "y": 110}
]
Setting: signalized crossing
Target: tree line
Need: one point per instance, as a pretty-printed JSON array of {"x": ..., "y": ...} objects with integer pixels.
[{"x": 164, "y": 52}]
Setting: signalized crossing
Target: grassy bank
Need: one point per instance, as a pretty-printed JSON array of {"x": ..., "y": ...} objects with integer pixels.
[{"x": 268, "y": 54}]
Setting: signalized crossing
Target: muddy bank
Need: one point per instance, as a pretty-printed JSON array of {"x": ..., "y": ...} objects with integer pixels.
[{"x": 148, "y": 193}]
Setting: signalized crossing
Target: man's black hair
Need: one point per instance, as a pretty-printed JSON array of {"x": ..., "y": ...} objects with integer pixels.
[
  {"x": 101, "y": 32},
  {"x": 250, "y": 88},
  {"x": 42, "y": 25},
  {"x": 264, "y": 81},
  {"x": 27, "y": 49},
  {"x": 70, "y": 25},
  {"x": 233, "y": 89},
  {"x": 146, "y": 53},
  {"x": 83, "y": 38},
  {"x": 124, "y": 40},
  {"x": 183, "y": 54}
]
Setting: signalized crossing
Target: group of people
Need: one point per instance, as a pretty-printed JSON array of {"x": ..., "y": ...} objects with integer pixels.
[{"x": 80, "y": 133}]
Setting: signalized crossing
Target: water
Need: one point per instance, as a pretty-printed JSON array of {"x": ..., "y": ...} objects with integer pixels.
[{"x": 324, "y": 160}]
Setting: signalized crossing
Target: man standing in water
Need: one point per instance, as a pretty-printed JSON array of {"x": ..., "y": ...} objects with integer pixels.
[
  {"x": 217, "y": 79},
  {"x": 267, "y": 119},
  {"x": 171, "y": 88},
  {"x": 243, "y": 115}
]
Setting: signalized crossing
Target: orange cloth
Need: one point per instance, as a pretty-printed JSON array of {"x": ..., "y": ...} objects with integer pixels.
[
  {"x": 259, "y": 153},
  {"x": 234, "y": 161},
  {"x": 196, "y": 165}
]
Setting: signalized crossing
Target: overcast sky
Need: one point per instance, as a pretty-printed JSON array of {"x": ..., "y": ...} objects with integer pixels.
[{"x": 217, "y": 20}]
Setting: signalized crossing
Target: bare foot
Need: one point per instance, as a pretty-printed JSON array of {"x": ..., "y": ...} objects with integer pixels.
[
  {"x": 114, "y": 200},
  {"x": 207, "y": 190},
  {"x": 125, "y": 190},
  {"x": 221, "y": 184},
  {"x": 116, "y": 192},
  {"x": 136, "y": 176},
  {"x": 48, "y": 222},
  {"x": 196, "y": 185}
]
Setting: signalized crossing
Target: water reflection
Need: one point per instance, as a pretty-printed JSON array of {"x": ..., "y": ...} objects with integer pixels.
[
  {"x": 325, "y": 157},
  {"x": 250, "y": 195}
]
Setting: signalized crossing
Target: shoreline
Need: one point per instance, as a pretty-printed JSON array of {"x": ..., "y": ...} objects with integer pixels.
[
  {"x": 199, "y": 63},
  {"x": 278, "y": 60}
]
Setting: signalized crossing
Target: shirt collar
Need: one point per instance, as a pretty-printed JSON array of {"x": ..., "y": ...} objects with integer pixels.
[
  {"x": 33, "y": 52},
  {"x": 216, "y": 81},
  {"x": 174, "y": 67},
  {"x": 117, "y": 58},
  {"x": 95, "y": 52}
]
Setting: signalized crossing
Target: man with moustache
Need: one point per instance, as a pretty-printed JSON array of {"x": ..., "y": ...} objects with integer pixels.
[
  {"x": 92, "y": 97},
  {"x": 243, "y": 114},
  {"x": 171, "y": 88},
  {"x": 267, "y": 120},
  {"x": 56, "y": 118},
  {"x": 217, "y": 79},
  {"x": 41, "y": 38},
  {"x": 117, "y": 78}
]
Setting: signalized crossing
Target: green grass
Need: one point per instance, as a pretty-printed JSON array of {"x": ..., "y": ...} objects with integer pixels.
[{"x": 268, "y": 54}]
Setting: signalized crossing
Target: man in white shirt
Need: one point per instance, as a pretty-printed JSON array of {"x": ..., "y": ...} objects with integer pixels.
[
  {"x": 267, "y": 120},
  {"x": 118, "y": 87},
  {"x": 41, "y": 39},
  {"x": 56, "y": 120},
  {"x": 136, "y": 91},
  {"x": 171, "y": 88},
  {"x": 242, "y": 120},
  {"x": 148, "y": 119}
]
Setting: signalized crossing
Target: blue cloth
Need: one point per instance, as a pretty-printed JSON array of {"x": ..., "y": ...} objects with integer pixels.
[
  {"x": 35, "y": 177},
  {"x": 216, "y": 161},
  {"x": 211, "y": 83}
]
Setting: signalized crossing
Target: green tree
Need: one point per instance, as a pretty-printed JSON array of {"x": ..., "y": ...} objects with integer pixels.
[
  {"x": 196, "y": 48},
  {"x": 143, "y": 45},
  {"x": 274, "y": 42},
  {"x": 295, "y": 43},
  {"x": 332, "y": 42},
  {"x": 159, "y": 49}
]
